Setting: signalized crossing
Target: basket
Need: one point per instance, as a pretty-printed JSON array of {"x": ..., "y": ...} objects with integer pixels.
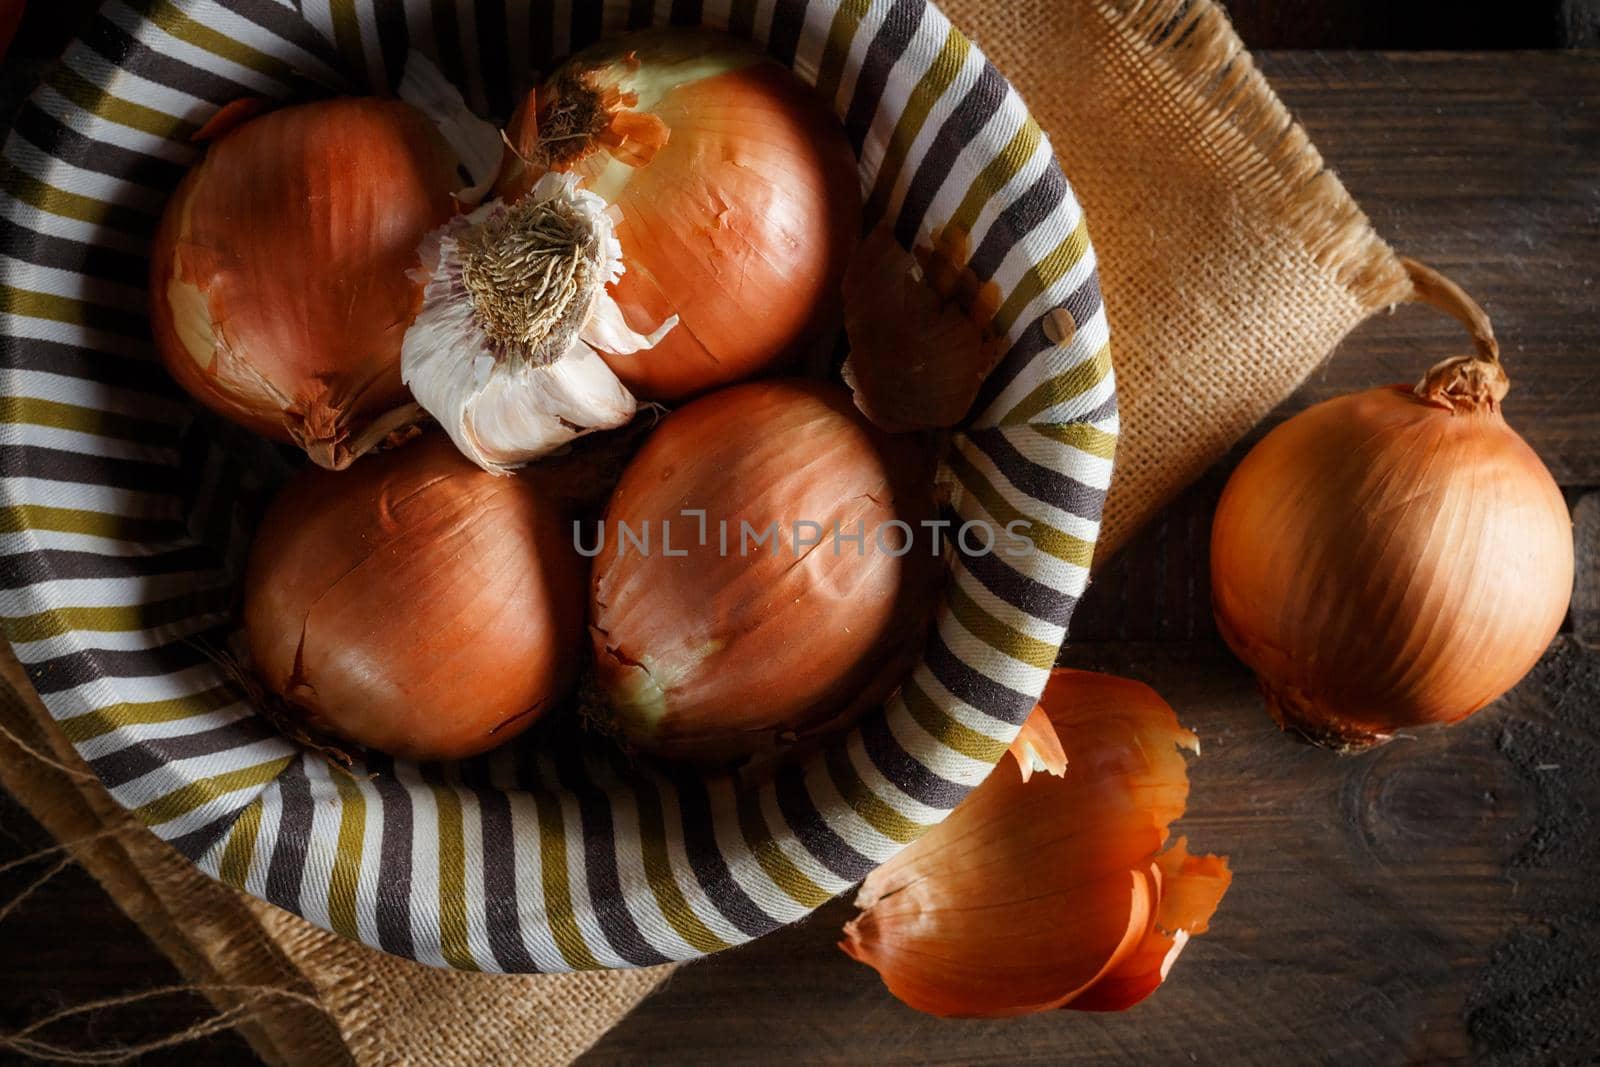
[{"x": 127, "y": 512}]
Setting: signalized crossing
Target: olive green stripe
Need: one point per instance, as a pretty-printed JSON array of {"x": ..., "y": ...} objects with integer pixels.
[
  {"x": 1068, "y": 385},
  {"x": 452, "y": 881},
  {"x": 947, "y": 730},
  {"x": 347, "y": 39},
  {"x": 103, "y": 104},
  {"x": 50, "y": 306},
  {"x": 865, "y": 803},
  {"x": 999, "y": 634},
  {"x": 935, "y": 80},
  {"x": 120, "y": 619},
  {"x": 1047, "y": 538},
  {"x": 112, "y": 717},
  {"x": 196, "y": 794},
  {"x": 1080, "y": 435},
  {"x": 663, "y": 883},
  {"x": 1043, "y": 274},
  {"x": 241, "y": 847},
  {"x": 31, "y": 411},
  {"x": 175, "y": 22},
  {"x": 47, "y": 198},
  {"x": 345, "y": 877},
  {"x": 553, "y": 880},
  {"x": 841, "y": 33},
  {"x": 21, "y": 517},
  {"x": 778, "y": 867},
  {"x": 999, "y": 170}
]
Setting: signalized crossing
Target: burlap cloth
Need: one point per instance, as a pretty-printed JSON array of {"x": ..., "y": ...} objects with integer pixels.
[{"x": 1232, "y": 263}]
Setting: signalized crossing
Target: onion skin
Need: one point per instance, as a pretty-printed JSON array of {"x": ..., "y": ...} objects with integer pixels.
[
  {"x": 1382, "y": 561},
  {"x": 741, "y": 222},
  {"x": 919, "y": 343},
  {"x": 415, "y": 604},
  {"x": 708, "y": 656},
  {"x": 1056, "y": 891},
  {"x": 278, "y": 283}
]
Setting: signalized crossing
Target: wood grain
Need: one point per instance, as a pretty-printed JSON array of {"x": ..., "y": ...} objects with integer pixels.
[
  {"x": 1429, "y": 901},
  {"x": 1486, "y": 166},
  {"x": 1424, "y": 902},
  {"x": 1585, "y": 621}
]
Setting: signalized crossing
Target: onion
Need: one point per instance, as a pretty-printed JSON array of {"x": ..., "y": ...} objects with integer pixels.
[
  {"x": 1395, "y": 557},
  {"x": 414, "y": 603},
  {"x": 279, "y": 288},
  {"x": 1044, "y": 891},
  {"x": 719, "y": 646},
  {"x": 736, "y": 190}
]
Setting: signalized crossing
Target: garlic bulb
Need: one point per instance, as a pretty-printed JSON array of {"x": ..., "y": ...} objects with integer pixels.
[{"x": 504, "y": 350}]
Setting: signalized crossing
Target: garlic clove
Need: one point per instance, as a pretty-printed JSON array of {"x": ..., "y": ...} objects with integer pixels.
[
  {"x": 518, "y": 413},
  {"x": 476, "y": 142},
  {"x": 1037, "y": 747},
  {"x": 608, "y": 331}
]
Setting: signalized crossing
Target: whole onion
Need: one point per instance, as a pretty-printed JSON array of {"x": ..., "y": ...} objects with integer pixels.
[
  {"x": 1395, "y": 557},
  {"x": 278, "y": 287},
  {"x": 736, "y": 192},
  {"x": 415, "y": 603},
  {"x": 718, "y": 646}
]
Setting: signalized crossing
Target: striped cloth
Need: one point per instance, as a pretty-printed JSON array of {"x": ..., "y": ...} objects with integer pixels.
[{"x": 126, "y": 514}]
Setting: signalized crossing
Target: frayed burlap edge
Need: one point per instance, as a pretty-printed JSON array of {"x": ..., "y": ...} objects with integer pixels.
[
  {"x": 373, "y": 1008},
  {"x": 193, "y": 920},
  {"x": 1231, "y": 259},
  {"x": 1196, "y": 56}
]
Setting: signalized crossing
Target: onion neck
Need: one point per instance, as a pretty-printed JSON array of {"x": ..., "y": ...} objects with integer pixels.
[
  {"x": 1462, "y": 383},
  {"x": 572, "y": 112}
]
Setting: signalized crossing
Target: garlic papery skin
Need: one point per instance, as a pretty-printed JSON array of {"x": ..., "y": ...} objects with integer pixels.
[
  {"x": 476, "y": 143},
  {"x": 503, "y": 351}
]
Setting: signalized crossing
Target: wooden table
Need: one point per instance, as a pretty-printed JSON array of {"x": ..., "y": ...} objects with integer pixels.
[{"x": 1433, "y": 900}]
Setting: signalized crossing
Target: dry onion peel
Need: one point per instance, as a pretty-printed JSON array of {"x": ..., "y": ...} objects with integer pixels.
[
  {"x": 1394, "y": 557},
  {"x": 505, "y": 350},
  {"x": 918, "y": 346},
  {"x": 278, "y": 288},
  {"x": 229, "y": 116},
  {"x": 736, "y": 191},
  {"x": 1053, "y": 892},
  {"x": 1037, "y": 747}
]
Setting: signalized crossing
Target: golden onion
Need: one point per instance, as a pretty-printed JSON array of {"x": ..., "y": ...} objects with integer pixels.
[
  {"x": 415, "y": 603},
  {"x": 718, "y": 629},
  {"x": 1396, "y": 557}
]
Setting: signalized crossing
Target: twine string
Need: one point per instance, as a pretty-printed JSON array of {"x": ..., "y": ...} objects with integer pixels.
[{"x": 254, "y": 1000}]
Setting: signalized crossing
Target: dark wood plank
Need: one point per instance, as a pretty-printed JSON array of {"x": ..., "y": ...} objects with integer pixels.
[
  {"x": 1487, "y": 166},
  {"x": 1414, "y": 24},
  {"x": 1586, "y": 588},
  {"x": 1428, "y": 901},
  {"x": 68, "y": 945}
]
